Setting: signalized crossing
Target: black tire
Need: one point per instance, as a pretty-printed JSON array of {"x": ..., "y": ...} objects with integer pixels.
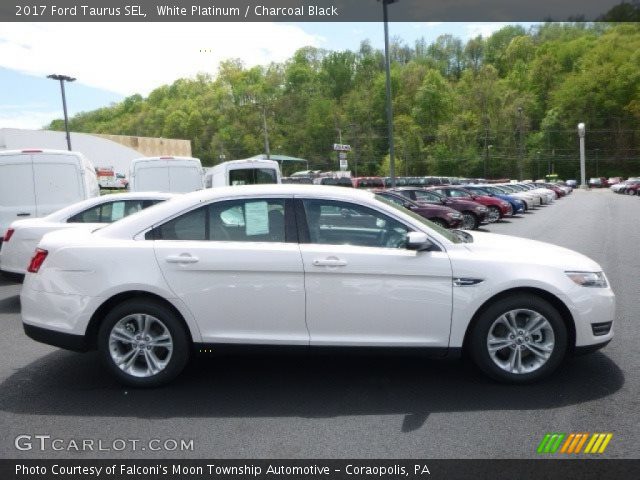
[
  {"x": 631, "y": 191},
  {"x": 479, "y": 351},
  {"x": 181, "y": 344},
  {"x": 470, "y": 215}
]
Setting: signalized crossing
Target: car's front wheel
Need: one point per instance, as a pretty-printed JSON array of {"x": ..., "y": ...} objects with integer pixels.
[
  {"x": 143, "y": 343},
  {"x": 519, "y": 339},
  {"x": 469, "y": 221},
  {"x": 494, "y": 214}
]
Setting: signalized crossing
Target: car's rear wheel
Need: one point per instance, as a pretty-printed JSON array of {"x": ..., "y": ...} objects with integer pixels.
[
  {"x": 631, "y": 191},
  {"x": 143, "y": 343},
  {"x": 494, "y": 214},
  {"x": 469, "y": 221},
  {"x": 519, "y": 339}
]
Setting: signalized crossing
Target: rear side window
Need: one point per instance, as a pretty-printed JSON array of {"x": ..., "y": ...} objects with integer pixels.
[
  {"x": 111, "y": 212},
  {"x": 246, "y": 220}
]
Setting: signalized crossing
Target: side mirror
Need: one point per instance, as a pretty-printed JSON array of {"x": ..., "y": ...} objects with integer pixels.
[
  {"x": 409, "y": 206},
  {"x": 419, "y": 241}
]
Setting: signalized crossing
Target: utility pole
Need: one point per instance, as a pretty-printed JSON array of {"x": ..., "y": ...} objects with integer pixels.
[
  {"x": 521, "y": 144},
  {"x": 387, "y": 64},
  {"x": 62, "y": 79},
  {"x": 581, "y": 134},
  {"x": 267, "y": 151}
]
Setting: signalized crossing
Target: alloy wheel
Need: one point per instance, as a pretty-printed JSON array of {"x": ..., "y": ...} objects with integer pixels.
[
  {"x": 141, "y": 345},
  {"x": 520, "y": 341}
]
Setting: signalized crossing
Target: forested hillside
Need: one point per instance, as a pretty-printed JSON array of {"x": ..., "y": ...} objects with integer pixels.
[{"x": 468, "y": 109}]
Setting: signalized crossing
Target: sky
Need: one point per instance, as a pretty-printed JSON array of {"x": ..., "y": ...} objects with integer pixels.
[{"x": 114, "y": 60}]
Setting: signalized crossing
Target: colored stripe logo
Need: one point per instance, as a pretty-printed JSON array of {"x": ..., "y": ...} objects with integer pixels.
[{"x": 573, "y": 443}]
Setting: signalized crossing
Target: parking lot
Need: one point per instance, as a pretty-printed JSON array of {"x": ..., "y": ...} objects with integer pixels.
[{"x": 296, "y": 406}]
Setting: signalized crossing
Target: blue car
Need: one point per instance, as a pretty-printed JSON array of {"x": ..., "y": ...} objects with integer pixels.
[{"x": 517, "y": 205}]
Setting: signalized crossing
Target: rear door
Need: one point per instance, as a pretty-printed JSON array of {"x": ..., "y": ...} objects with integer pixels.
[
  {"x": 57, "y": 182},
  {"x": 185, "y": 178},
  {"x": 152, "y": 176},
  {"x": 236, "y": 264},
  {"x": 17, "y": 197}
]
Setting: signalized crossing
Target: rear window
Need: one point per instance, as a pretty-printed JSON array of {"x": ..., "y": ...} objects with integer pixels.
[{"x": 252, "y": 176}]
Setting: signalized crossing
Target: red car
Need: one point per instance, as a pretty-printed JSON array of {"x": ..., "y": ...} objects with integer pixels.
[
  {"x": 497, "y": 207},
  {"x": 632, "y": 188},
  {"x": 439, "y": 214},
  {"x": 473, "y": 213},
  {"x": 367, "y": 182}
]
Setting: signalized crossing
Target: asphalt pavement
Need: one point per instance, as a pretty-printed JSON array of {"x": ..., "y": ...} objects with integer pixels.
[{"x": 298, "y": 406}]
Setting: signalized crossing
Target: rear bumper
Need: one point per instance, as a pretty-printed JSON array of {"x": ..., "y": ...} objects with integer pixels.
[{"x": 67, "y": 341}]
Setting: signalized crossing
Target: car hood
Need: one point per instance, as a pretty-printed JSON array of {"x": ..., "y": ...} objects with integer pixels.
[{"x": 515, "y": 249}]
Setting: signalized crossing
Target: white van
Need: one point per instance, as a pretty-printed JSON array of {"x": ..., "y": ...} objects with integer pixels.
[
  {"x": 166, "y": 174},
  {"x": 34, "y": 183},
  {"x": 249, "y": 171}
]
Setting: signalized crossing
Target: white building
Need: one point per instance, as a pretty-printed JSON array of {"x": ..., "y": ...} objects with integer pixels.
[{"x": 101, "y": 152}]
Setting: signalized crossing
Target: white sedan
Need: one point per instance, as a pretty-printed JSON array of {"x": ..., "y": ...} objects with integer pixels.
[
  {"x": 22, "y": 236},
  {"x": 313, "y": 266}
]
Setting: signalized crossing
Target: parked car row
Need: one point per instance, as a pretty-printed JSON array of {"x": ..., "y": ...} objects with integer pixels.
[
  {"x": 474, "y": 204},
  {"x": 629, "y": 187}
]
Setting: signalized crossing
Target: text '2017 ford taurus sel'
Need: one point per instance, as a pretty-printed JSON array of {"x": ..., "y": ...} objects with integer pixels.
[{"x": 297, "y": 265}]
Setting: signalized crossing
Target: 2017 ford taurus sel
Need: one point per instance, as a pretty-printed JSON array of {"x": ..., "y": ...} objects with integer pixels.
[{"x": 301, "y": 265}]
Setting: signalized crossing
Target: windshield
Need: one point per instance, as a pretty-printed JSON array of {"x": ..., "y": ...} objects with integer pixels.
[{"x": 448, "y": 234}]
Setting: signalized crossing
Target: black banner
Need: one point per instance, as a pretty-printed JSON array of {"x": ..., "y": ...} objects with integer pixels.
[
  {"x": 316, "y": 10},
  {"x": 320, "y": 469}
]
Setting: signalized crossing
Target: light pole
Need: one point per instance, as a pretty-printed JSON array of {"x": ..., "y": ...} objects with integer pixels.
[
  {"x": 521, "y": 146},
  {"x": 62, "y": 79},
  {"x": 387, "y": 64},
  {"x": 581, "y": 132}
]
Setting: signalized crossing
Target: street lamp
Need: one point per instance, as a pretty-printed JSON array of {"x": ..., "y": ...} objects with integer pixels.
[
  {"x": 62, "y": 79},
  {"x": 387, "y": 64},
  {"x": 521, "y": 146},
  {"x": 581, "y": 133}
]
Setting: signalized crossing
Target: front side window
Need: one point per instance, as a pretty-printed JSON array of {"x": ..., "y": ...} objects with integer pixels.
[
  {"x": 246, "y": 220},
  {"x": 331, "y": 222}
]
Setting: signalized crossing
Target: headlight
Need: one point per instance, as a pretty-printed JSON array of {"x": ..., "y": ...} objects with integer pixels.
[
  {"x": 454, "y": 215},
  {"x": 588, "y": 279},
  {"x": 504, "y": 204},
  {"x": 482, "y": 209}
]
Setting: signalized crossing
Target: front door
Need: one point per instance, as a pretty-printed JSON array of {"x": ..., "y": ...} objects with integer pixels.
[{"x": 364, "y": 287}]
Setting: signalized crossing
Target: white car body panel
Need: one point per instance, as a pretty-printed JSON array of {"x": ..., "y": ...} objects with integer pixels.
[
  {"x": 16, "y": 253},
  {"x": 34, "y": 183}
]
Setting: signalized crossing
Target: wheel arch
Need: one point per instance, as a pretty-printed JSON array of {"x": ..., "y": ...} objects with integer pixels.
[
  {"x": 91, "y": 334},
  {"x": 564, "y": 311}
]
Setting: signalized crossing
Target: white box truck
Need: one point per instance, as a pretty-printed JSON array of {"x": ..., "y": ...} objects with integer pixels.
[
  {"x": 37, "y": 182},
  {"x": 166, "y": 174},
  {"x": 249, "y": 171}
]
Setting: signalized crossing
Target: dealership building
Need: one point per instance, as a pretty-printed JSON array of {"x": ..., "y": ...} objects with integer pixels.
[{"x": 115, "y": 151}]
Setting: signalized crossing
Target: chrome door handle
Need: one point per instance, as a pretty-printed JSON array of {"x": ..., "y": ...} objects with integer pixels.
[
  {"x": 329, "y": 262},
  {"x": 181, "y": 259},
  {"x": 23, "y": 214}
]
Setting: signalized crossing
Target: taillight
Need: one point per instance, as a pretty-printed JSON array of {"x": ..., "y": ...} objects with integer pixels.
[
  {"x": 8, "y": 234},
  {"x": 37, "y": 260}
]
